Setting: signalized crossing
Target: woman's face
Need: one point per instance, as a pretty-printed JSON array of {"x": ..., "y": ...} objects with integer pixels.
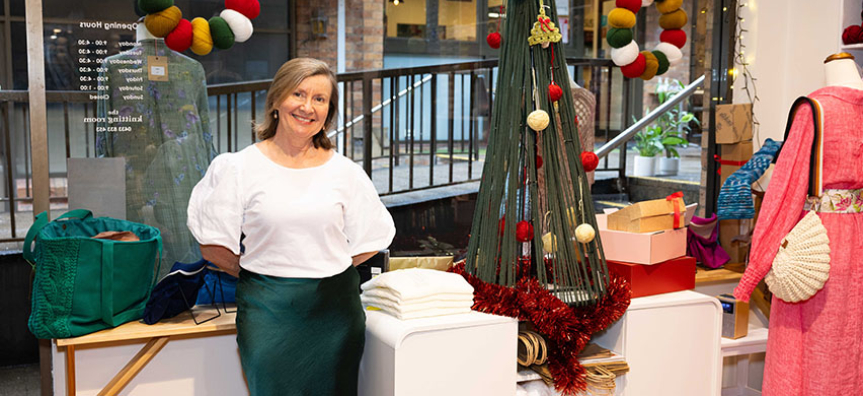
[{"x": 304, "y": 111}]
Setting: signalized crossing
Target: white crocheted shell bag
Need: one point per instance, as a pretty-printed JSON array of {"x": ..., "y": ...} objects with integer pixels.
[{"x": 802, "y": 265}]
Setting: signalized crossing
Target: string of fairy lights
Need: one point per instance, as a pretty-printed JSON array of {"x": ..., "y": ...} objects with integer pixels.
[{"x": 748, "y": 80}]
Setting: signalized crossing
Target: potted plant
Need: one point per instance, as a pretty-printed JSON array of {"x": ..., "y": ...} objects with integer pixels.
[
  {"x": 648, "y": 144},
  {"x": 672, "y": 127}
]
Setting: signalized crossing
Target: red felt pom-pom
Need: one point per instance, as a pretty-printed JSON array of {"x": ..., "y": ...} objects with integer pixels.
[
  {"x": 859, "y": 37},
  {"x": 851, "y": 34},
  {"x": 501, "y": 225},
  {"x": 493, "y": 40},
  {"x": 675, "y": 37},
  {"x": 636, "y": 68},
  {"x": 250, "y": 8},
  {"x": 632, "y": 5},
  {"x": 554, "y": 92},
  {"x": 180, "y": 39},
  {"x": 589, "y": 161},
  {"x": 523, "y": 231},
  {"x": 538, "y": 162}
]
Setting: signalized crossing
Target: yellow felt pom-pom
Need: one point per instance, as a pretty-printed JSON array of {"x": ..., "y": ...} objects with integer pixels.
[
  {"x": 202, "y": 41},
  {"x": 585, "y": 233},
  {"x": 163, "y": 22},
  {"x": 668, "y": 6},
  {"x": 652, "y": 65},
  {"x": 673, "y": 20},
  {"x": 549, "y": 243},
  {"x": 621, "y": 18},
  {"x": 538, "y": 120}
]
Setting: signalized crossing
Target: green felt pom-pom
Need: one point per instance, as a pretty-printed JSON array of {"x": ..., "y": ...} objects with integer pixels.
[
  {"x": 618, "y": 38},
  {"x": 153, "y": 6},
  {"x": 223, "y": 37},
  {"x": 663, "y": 62}
]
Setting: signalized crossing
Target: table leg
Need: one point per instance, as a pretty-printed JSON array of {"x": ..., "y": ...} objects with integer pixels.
[
  {"x": 134, "y": 366},
  {"x": 70, "y": 370}
]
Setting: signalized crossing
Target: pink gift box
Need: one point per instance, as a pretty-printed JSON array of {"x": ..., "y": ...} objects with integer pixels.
[{"x": 642, "y": 248}]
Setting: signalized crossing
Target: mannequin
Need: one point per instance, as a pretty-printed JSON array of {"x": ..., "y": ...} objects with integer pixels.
[
  {"x": 159, "y": 123},
  {"x": 813, "y": 345},
  {"x": 841, "y": 70}
]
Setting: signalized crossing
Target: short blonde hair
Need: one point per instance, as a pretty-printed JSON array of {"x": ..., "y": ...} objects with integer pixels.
[{"x": 286, "y": 80}]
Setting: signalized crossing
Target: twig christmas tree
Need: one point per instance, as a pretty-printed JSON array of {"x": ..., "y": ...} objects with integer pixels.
[{"x": 534, "y": 208}]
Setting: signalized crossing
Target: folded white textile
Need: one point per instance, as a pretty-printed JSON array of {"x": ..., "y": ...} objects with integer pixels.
[
  {"x": 414, "y": 283},
  {"x": 425, "y": 313},
  {"x": 413, "y": 307},
  {"x": 388, "y": 294}
]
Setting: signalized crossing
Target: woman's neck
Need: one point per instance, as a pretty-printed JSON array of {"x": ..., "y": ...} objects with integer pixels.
[
  {"x": 842, "y": 72},
  {"x": 293, "y": 153}
]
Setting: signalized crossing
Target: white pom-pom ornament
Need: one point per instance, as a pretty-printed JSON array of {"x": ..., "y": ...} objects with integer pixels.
[
  {"x": 538, "y": 120},
  {"x": 646, "y": 3},
  {"x": 671, "y": 52},
  {"x": 585, "y": 233},
  {"x": 240, "y": 25},
  {"x": 625, "y": 55}
]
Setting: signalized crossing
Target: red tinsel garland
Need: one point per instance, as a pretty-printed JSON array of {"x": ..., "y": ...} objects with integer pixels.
[{"x": 567, "y": 329}]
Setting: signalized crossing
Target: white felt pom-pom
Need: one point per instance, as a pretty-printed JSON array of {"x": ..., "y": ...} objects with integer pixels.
[
  {"x": 239, "y": 24},
  {"x": 538, "y": 120},
  {"x": 671, "y": 52},
  {"x": 585, "y": 233},
  {"x": 645, "y": 3},
  {"x": 625, "y": 55}
]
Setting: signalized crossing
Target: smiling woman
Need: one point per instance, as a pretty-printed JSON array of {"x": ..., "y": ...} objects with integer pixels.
[{"x": 308, "y": 216}]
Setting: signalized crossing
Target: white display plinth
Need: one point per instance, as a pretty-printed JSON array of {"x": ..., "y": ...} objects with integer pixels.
[{"x": 470, "y": 354}]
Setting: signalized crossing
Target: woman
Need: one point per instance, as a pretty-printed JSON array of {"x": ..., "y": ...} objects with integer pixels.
[{"x": 309, "y": 215}]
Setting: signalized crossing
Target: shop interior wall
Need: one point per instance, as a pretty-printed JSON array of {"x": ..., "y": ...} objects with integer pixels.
[{"x": 786, "y": 44}]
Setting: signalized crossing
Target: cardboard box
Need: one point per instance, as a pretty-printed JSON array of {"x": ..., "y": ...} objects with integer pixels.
[
  {"x": 666, "y": 277},
  {"x": 734, "y": 238},
  {"x": 641, "y": 248},
  {"x": 735, "y": 316},
  {"x": 647, "y": 216},
  {"x": 733, "y": 157},
  {"x": 733, "y": 123}
]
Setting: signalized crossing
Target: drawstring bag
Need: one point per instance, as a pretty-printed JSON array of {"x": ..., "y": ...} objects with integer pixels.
[{"x": 83, "y": 285}]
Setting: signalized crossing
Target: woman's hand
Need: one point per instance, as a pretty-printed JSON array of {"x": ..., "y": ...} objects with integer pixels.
[
  {"x": 223, "y": 257},
  {"x": 362, "y": 257}
]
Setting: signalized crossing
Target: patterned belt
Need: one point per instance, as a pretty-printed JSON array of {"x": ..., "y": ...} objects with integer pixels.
[{"x": 838, "y": 201}]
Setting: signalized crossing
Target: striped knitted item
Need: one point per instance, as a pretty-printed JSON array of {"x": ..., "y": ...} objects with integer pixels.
[{"x": 735, "y": 196}]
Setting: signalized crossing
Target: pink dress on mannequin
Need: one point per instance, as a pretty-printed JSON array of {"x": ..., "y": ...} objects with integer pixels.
[{"x": 815, "y": 347}]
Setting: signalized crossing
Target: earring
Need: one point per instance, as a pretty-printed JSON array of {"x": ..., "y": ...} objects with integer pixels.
[{"x": 276, "y": 114}]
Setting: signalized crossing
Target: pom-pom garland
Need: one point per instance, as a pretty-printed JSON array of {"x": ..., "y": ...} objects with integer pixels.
[
  {"x": 180, "y": 39},
  {"x": 618, "y": 38},
  {"x": 493, "y": 39},
  {"x": 223, "y": 37},
  {"x": 233, "y": 24},
  {"x": 249, "y": 8},
  {"x": 651, "y": 65},
  {"x": 635, "y": 69},
  {"x": 625, "y": 52},
  {"x": 202, "y": 40},
  {"x": 163, "y": 22},
  {"x": 239, "y": 24}
]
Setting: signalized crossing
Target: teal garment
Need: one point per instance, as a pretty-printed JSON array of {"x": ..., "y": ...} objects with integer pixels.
[
  {"x": 162, "y": 129},
  {"x": 300, "y": 336}
]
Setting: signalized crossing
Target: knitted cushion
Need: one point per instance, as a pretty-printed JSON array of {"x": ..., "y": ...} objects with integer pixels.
[
  {"x": 180, "y": 39},
  {"x": 651, "y": 65},
  {"x": 239, "y": 24},
  {"x": 223, "y": 37},
  {"x": 163, "y": 22},
  {"x": 668, "y": 6},
  {"x": 154, "y": 6},
  {"x": 663, "y": 62},
  {"x": 621, "y": 18},
  {"x": 636, "y": 68},
  {"x": 202, "y": 41},
  {"x": 674, "y": 20},
  {"x": 618, "y": 37}
]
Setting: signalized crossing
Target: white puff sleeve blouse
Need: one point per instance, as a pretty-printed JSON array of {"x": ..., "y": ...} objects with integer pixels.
[{"x": 300, "y": 223}]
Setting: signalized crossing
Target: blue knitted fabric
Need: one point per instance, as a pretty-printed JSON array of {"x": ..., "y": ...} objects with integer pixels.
[{"x": 735, "y": 196}]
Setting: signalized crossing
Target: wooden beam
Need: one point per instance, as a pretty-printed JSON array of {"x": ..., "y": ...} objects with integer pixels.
[
  {"x": 38, "y": 112},
  {"x": 70, "y": 370},
  {"x": 147, "y": 353}
]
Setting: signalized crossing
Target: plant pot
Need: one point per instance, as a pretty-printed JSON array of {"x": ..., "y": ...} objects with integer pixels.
[
  {"x": 668, "y": 166},
  {"x": 644, "y": 166}
]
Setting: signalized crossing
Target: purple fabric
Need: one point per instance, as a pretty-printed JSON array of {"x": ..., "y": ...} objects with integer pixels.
[{"x": 702, "y": 242}]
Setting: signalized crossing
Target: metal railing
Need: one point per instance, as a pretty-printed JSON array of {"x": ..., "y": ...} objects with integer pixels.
[{"x": 411, "y": 128}]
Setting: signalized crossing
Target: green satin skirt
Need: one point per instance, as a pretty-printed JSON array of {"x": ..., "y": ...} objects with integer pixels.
[{"x": 300, "y": 336}]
